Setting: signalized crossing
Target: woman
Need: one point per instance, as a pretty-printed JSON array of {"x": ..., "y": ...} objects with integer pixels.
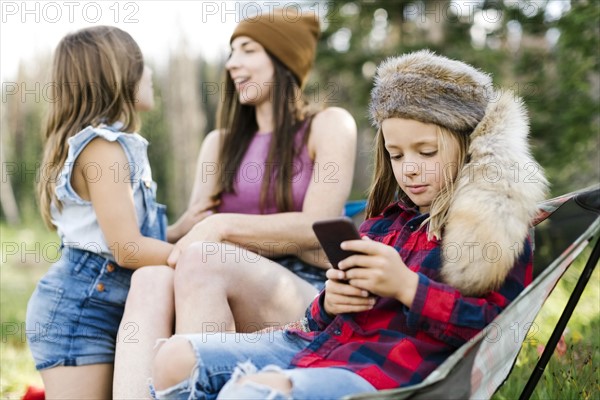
[{"x": 268, "y": 172}]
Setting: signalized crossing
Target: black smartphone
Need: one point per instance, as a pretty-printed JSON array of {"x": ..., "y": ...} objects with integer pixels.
[{"x": 331, "y": 233}]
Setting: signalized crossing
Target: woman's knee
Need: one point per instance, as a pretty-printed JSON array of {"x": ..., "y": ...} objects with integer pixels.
[
  {"x": 157, "y": 281},
  {"x": 174, "y": 363},
  {"x": 152, "y": 277},
  {"x": 200, "y": 264}
]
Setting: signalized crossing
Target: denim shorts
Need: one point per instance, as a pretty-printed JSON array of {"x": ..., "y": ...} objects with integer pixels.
[
  {"x": 311, "y": 274},
  {"x": 221, "y": 358},
  {"x": 73, "y": 315}
]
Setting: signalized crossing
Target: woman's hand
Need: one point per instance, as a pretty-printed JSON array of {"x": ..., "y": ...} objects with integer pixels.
[
  {"x": 379, "y": 270},
  {"x": 210, "y": 229},
  {"x": 193, "y": 215},
  {"x": 340, "y": 297}
]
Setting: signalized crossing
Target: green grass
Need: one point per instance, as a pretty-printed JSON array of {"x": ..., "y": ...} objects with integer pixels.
[
  {"x": 572, "y": 376},
  {"x": 26, "y": 255}
]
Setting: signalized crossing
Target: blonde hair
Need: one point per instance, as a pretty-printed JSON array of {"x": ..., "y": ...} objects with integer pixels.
[
  {"x": 95, "y": 75},
  {"x": 385, "y": 189}
]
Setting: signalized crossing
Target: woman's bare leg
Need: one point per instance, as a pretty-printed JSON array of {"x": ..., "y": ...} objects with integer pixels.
[
  {"x": 78, "y": 383},
  {"x": 222, "y": 287},
  {"x": 149, "y": 316}
]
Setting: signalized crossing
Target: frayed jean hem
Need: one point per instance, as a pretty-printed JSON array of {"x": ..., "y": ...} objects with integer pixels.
[{"x": 250, "y": 390}]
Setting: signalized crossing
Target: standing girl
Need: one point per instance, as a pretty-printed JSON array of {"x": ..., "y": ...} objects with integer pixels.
[
  {"x": 96, "y": 190},
  {"x": 275, "y": 167},
  {"x": 445, "y": 250}
]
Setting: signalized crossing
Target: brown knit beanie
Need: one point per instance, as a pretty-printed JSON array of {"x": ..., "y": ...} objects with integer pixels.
[
  {"x": 289, "y": 35},
  {"x": 430, "y": 89}
]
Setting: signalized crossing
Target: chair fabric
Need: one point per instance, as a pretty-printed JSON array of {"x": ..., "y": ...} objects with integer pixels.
[{"x": 354, "y": 207}]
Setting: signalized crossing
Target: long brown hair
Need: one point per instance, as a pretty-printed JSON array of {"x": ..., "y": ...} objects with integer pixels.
[
  {"x": 237, "y": 123},
  {"x": 95, "y": 74},
  {"x": 385, "y": 189}
]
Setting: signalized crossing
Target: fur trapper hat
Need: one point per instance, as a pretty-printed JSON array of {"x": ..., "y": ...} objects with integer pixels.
[
  {"x": 497, "y": 191},
  {"x": 430, "y": 89}
]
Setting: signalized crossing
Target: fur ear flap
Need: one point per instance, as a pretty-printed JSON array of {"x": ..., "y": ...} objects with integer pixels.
[{"x": 496, "y": 196}]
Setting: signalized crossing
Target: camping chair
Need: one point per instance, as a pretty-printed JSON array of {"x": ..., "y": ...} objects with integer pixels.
[
  {"x": 564, "y": 227},
  {"x": 355, "y": 210}
]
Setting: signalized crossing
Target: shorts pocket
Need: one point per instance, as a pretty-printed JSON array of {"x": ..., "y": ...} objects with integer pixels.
[{"x": 42, "y": 307}]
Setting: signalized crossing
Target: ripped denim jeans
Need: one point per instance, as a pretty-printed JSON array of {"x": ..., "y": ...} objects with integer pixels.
[{"x": 223, "y": 358}]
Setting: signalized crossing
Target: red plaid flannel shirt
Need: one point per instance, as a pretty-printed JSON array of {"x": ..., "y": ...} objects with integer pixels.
[{"x": 391, "y": 345}]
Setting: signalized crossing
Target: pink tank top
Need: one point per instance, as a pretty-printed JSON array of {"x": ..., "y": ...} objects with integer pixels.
[{"x": 248, "y": 181}]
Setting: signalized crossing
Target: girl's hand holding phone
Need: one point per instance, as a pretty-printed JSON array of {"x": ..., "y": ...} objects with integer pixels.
[
  {"x": 379, "y": 270},
  {"x": 341, "y": 297},
  {"x": 361, "y": 268}
]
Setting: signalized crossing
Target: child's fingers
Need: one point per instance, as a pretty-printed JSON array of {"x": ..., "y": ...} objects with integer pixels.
[
  {"x": 339, "y": 303},
  {"x": 336, "y": 274},
  {"x": 356, "y": 305},
  {"x": 360, "y": 278},
  {"x": 356, "y": 309},
  {"x": 362, "y": 246},
  {"x": 363, "y": 284},
  {"x": 344, "y": 289},
  {"x": 173, "y": 257},
  {"x": 340, "y": 298},
  {"x": 342, "y": 308},
  {"x": 359, "y": 273},
  {"x": 356, "y": 260}
]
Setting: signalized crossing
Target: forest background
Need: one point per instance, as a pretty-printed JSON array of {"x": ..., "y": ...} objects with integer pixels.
[{"x": 545, "y": 51}]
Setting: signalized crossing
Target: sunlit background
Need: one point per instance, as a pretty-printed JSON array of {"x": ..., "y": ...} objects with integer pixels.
[
  {"x": 31, "y": 29},
  {"x": 547, "y": 51}
]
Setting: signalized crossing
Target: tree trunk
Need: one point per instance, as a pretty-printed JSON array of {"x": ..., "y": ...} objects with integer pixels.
[
  {"x": 186, "y": 121},
  {"x": 7, "y": 195}
]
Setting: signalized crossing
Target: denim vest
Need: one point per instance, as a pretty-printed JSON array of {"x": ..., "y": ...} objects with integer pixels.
[{"x": 76, "y": 223}]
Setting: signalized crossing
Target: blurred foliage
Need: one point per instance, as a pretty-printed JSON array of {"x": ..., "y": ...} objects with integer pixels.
[
  {"x": 512, "y": 40},
  {"x": 547, "y": 51}
]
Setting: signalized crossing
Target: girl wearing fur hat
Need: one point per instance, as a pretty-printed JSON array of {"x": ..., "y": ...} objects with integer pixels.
[
  {"x": 266, "y": 174},
  {"x": 445, "y": 250}
]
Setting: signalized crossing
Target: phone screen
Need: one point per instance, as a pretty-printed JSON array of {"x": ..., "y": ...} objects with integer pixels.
[{"x": 331, "y": 233}]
